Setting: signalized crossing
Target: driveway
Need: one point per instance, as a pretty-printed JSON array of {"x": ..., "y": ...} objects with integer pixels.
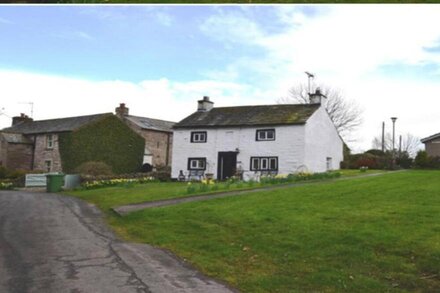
[{"x": 53, "y": 243}]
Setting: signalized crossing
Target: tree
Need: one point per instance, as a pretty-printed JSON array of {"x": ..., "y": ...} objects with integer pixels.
[
  {"x": 345, "y": 114},
  {"x": 410, "y": 144}
]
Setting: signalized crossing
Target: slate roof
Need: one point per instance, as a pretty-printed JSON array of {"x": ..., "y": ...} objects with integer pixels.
[
  {"x": 53, "y": 125},
  {"x": 150, "y": 123},
  {"x": 429, "y": 138},
  {"x": 280, "y": 114},
  {"x": 16, "y": 138}
]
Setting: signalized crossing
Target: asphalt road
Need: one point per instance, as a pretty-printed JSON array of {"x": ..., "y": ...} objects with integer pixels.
[{"x": 53, "y": 243}]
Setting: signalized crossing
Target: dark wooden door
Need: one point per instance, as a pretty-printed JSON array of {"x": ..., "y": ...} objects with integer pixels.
[{"x": 227, "y": 164}]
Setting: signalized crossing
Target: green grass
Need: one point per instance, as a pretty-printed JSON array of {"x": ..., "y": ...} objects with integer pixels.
[
  {"x": 106, "y": 198},
  {"x": 374, "y": 234}
]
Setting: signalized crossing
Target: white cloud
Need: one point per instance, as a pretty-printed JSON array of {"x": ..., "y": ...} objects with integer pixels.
[
  {"x": 55, "y": 96},
  {"x": 344, "y": 46}
]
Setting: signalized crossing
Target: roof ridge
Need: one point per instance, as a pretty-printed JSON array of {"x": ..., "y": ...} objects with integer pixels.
[
  {"x": 266, "y": 105},
  {"x": 52, "y": 119},
  {"x": 151, "y": 118}
]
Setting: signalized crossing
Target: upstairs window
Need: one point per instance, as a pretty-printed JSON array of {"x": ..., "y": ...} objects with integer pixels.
[
  {"x": 49, "y": 141},
  {"x": 265, "y": 134},
  {"x": 196, "y": 163},
  {"x": 199, "y": 136},
  {"x": 264, "y": 163}
]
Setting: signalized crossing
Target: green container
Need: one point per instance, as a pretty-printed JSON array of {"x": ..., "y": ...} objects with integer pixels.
[{"x": 55, "y": 182}]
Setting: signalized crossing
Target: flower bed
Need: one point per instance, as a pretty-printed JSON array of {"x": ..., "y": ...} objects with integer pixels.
[
  {"x": 207, "y": 185},
  {"x": 127, "y": 182},
  {"x": 6, "y": 185}
]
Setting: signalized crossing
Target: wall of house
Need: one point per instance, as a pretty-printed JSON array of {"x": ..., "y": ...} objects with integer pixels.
[
  {"x": 3, "y": 152},
  {"x": 19, "y": 156},
  {"x": 288, "y": 146},
  {"x": 43, "y": 154},
  {"x": 433, "y": 148},
  {"x": 322, "y": 141},
  {"x": 156, "y": 144}
]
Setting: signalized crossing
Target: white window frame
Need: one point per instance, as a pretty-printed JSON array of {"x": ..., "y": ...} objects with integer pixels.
[
  {"x": 49, "y": 141},
  {"x": 264, "y": 163},
  {"x": 263, "y": 134},
  {"x": 196, "y": 163},
  {"x": 199, "y": 136}
]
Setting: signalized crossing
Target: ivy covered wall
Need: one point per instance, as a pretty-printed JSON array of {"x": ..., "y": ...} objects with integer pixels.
[{"x": 108, "y": 140}]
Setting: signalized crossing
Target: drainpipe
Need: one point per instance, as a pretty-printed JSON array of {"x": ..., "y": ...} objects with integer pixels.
[
  {"x": 33, "y": 153},
  {"x": 167, "y": 157}
]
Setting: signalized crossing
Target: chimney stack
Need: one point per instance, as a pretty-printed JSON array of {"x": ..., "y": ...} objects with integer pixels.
[
  {"x": 204, "y": 105},
  {"x": 21, "y": 119},
  {"x": 317, "y": 97},
  {"x": 121, "y": 111}
]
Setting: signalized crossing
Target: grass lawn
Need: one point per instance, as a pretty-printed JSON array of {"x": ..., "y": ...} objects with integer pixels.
[
  {"x": 106, "y": 198},
  {"x": 372, "y": 234}
]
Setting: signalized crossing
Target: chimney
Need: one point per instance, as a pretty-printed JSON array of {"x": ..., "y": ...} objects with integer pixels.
[
  {"x": 121, "y": 111},
  {"x": 316, "y": 98},
  {"x": 21, "y": 119},
  {"x": 204, "y": 105}
]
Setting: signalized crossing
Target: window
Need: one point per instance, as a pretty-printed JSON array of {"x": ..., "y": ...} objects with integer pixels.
[
  {"x": 196, "y": 163},
  {"x": 48, "y": 165},
  {"x": 264, "y": 163},
  {"x": 265, "y": 134},
  {"x": 198, "y": 136},
  {"x": 329, "y": 163},
  {"x": 49, "y": 141}
]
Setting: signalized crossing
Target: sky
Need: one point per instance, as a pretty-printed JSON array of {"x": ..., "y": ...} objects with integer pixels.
[{"x": 160, "y": 59}]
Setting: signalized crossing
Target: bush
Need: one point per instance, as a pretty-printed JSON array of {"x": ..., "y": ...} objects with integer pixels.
[
  {"x": 94, "y": 169},
  {"x": 424, "y": 161}
]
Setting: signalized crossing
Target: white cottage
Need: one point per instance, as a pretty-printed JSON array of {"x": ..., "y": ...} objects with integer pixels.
[{"x": 268, "y": 139}]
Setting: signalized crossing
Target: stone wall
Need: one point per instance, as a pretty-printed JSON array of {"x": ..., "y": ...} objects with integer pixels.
[
  {"x": 43, "y": 154},
  {"x": 3, "y": 152},
  {"x": 157, "y": 142},
  {"x": 19, "y": 156}
]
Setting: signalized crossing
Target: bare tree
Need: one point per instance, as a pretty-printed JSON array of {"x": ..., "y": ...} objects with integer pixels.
[
  {"x": 410, "y": 143},
  {"x": 345, "y": 114}
]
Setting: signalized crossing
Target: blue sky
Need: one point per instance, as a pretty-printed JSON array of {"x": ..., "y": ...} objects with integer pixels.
[{"x": 77, "y": 60}]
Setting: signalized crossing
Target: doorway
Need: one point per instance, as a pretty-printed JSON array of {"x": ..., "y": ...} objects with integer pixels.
[{"x": 227, "y": 164}]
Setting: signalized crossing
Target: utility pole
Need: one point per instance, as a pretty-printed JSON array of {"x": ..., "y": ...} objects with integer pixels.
[
  {"x": 393, "y": 163},
  {"x": 383, "y": 136},
  {"x": 400, "y": 146},
  {"x": 310, "y": 76}
]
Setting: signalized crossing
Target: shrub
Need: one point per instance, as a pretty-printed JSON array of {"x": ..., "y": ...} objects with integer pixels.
[
  {"x": 424, "y": 161},
  {"x": 94, "y": 169}
]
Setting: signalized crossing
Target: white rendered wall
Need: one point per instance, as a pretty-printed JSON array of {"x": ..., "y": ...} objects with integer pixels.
[
  {"x": 322, "y": 141},
  {"x": 288, "y": 146}
]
